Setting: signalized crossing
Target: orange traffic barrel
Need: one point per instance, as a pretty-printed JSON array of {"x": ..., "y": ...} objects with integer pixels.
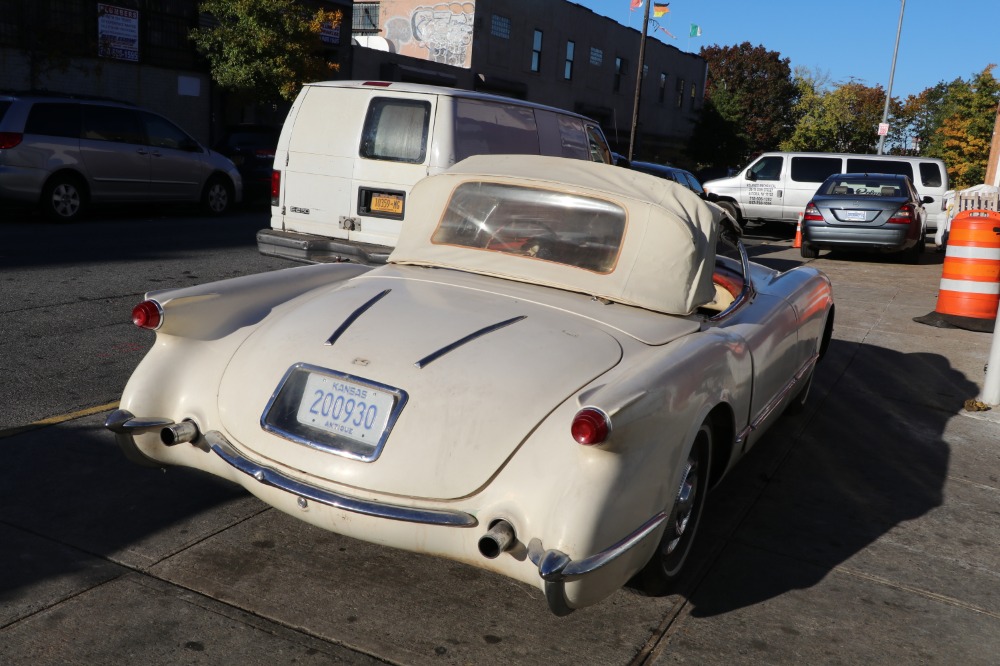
[{"x": 970, "y": 278}]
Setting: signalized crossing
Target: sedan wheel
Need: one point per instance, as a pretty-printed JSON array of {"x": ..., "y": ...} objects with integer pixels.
[
  {"x": 661, "y": 575},
  {"x": 808, "y": 251}
]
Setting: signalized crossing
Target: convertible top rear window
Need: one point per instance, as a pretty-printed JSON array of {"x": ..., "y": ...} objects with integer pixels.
[{"x": 569, "y": 229}]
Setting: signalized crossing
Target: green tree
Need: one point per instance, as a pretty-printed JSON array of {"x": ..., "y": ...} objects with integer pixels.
[
  {"x": 265, "y": 48},
  {"x": 844, "y": 120},
  {"x": 752, "y": 90}
]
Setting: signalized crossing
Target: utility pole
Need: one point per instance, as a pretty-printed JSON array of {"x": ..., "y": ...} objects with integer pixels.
[
  {"x": 892, "y": 73},
  {"x": 638, "y": 79}
]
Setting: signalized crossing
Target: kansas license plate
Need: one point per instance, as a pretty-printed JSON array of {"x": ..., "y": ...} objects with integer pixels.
[
  {"x": 387, "y": 203},
  {"x": 345, "y": 408},
  {"x": 855, "y": 216}
]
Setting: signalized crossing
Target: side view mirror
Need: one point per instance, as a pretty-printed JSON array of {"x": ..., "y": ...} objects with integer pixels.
[
  {"x": 751, "y": 175},
  {"x": 189, "y": 145}
]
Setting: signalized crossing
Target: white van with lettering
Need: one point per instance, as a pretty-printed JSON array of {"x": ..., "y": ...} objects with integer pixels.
[
  {"x": 777, "y": 186},
  {"x": 350, "y": 151}
]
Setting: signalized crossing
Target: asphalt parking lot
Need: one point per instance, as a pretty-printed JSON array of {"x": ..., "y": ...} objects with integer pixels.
[{"x": 862, "y": 530}]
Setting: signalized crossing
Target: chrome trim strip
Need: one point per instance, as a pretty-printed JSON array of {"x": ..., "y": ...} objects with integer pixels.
[
  {"x": 271, "y": 477},
  {"x": 557, "y": 566},
  {"x": 430, "y": 358},
  {"x": 771, "y": 406},
  {"x": 354, "y": 316}
]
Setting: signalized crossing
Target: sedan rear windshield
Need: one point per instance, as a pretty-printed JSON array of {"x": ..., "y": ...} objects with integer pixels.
[{"x": 864, "y": 187}]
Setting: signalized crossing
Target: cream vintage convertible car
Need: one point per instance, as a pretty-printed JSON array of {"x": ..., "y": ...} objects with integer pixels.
[{"x": 556, "y": 364}]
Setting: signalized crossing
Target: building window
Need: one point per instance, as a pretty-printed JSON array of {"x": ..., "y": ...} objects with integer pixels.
[
  {"x": 596, "y": 57},
  {"x": 536, "y": 52},
  {"x": 662, "y": 93},
  {"x": 570, "y": 51},
  {"x": 364, "y": 20},
  {"x": 500, "y": 27},
  {"x": 680, "y": 92},
  {"x": 620, "y": 66},
  {"x": 694, "y": 94}
]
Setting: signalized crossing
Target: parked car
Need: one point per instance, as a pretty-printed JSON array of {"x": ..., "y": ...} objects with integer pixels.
[
  {"x": 679, "y": 176},
  {"x": 879, "y": 212},
  {"x": 251, "y": 148},
  {"x": 65, "y": 153},
  {"x": 545, "y": 379}
]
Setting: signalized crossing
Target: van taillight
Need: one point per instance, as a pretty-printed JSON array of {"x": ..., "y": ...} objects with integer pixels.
[
  {"x": 9, "y": 139},
  {"x": 275, "y": 187}
]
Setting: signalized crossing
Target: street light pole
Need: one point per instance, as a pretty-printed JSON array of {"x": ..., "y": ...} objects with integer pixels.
[
  {"x": 892, "y": 73},
  {"x": 638, "y": 80}
]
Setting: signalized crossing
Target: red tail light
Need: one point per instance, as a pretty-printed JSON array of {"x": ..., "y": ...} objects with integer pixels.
[
  {"x": 904, "y": 215},
  {"x": 275, "y": 187},
  {"x": 590, "y": 426},
  {"x": 812, "y": 213},
  {"x": 147, "y": 314},
  {"x": 10, "y": 139}
]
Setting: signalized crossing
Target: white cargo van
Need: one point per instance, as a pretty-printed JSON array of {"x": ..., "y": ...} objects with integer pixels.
[
  {"x": 350, "y": 151},
  {"x": 777, "y": 186}
]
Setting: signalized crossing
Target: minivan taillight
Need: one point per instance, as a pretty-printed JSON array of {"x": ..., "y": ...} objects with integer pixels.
[
  {"x": 275, "y": 187},
  {"x": 812, "y": 213},
  {"x": 10, "y": 139},
  {"x": 904, "y": 215}
]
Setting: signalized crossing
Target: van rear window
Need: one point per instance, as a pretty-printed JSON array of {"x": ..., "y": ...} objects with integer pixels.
[
  {"x": 857, "y": 165},
  {"x": 930, "y": 174},
  {"x": 489, "y": 128},
  {"x": 396, "y": 130},
  {"x": 814, "y": 169}
]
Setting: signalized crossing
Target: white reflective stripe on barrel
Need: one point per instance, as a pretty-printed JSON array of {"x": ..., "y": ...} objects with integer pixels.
[
  {"x": 970, "y": 286},
  {"x": 973, "y": 252}
]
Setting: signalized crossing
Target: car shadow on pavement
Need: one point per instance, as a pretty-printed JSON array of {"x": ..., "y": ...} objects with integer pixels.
[{"x": 867, "y": 455}]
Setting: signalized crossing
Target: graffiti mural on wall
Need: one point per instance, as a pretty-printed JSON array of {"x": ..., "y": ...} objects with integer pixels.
[{"x": 439, "y": 32}]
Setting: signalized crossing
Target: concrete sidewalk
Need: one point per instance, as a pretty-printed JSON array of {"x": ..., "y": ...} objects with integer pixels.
[{"x": 863, "y": 530}]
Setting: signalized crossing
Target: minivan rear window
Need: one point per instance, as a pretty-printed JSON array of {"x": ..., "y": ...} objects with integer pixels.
[
  {"x": 396, "y": 130},
  {"x": 54, "y": 119},
  {"x": 859, "y": 165},
  {"x": 814, "y": 169}
]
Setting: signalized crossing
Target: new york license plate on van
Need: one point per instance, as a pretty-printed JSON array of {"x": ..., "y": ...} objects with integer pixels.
[{"x": 381, "y": 203}]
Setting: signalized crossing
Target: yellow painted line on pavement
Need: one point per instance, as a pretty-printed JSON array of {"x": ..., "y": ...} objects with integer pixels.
[{"x": 62, "y": 418}]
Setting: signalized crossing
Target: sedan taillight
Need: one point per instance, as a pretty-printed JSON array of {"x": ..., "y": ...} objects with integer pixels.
[
  {"x": 10, "y": 139},
  {"x": 812, "y": 213},
  {"x": 904, "y": 215},
  {"x": 275, "y": 187},
  {"x": 147, "y": 314}
]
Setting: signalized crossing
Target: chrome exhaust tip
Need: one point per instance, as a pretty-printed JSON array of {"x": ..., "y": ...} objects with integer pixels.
[
  {"x": 498, "y": 539},
  {"x": 179, "y": 433}
]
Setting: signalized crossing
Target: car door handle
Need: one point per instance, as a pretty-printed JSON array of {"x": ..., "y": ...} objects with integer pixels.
[
  {"x": 779, "y": 194},
  {"x": 142, "y": 151}
]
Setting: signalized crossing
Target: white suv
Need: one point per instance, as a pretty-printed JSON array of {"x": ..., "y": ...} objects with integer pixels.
[{"x": 65, "y": 153}]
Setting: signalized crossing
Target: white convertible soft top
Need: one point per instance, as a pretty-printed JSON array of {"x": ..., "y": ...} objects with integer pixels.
[{"x": 657, "y": 242}]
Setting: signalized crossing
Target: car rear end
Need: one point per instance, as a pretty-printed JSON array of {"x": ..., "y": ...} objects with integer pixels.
[
  {"x": 17, "y": 178},
  {"x": 870, "y": 219}
]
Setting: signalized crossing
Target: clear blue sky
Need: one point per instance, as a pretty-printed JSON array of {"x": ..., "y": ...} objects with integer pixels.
[{"x": 849, "y": 39}]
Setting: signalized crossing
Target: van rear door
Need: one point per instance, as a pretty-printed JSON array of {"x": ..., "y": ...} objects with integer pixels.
[{"x": 322, "y": 131}]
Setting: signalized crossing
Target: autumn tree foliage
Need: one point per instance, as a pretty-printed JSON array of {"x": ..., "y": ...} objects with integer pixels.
[
  {"x": 266, "y": 48},
  {"x": 749, "y": 96}
]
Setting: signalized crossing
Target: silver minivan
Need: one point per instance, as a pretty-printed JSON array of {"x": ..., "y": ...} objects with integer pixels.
[{"x": 64, "y": 153}]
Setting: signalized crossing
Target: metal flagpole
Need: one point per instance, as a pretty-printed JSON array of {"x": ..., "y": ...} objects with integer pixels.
[
  {"x": 638, "y": 79},
  {"x": 892, "y": 73}
]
